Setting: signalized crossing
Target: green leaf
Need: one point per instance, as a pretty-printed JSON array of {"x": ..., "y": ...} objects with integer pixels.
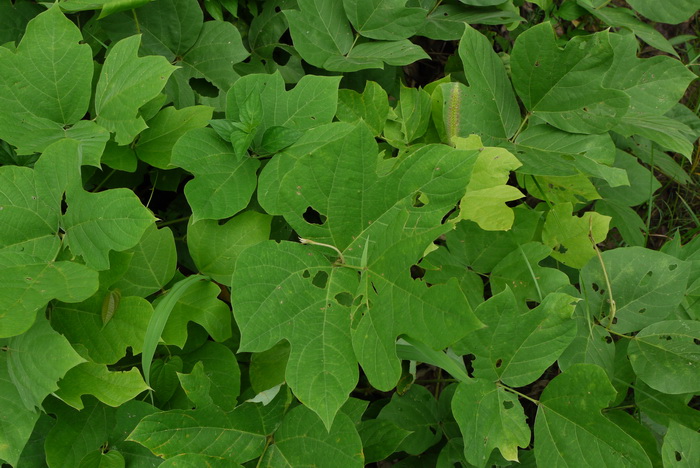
[
  {"x": 680, "y": 447},
  {"x": 384, "y": 19},
  {"x": 375, "y": 54},
  {"x": 195, "y": 460},
  {"x": 516, "y": 347},
  {"x": 302, "y": 440},
  {"x": 126, "y": 83},
  {"x": 221, "y": 369},
  {"x": 669, "y": 133},
  {"x": 415, "y": 411},
  {"x": 380, "y": 438},
  {"x": 372, "y": 106},
  {"x": 665, "y": 356},
  {"x": 489, "y": 417},
  {"x": 96, "y": 223},
  {"x": 412, "y": 114},
  {"x": 674, "y": 13},
  {"x": 16, "y": 421},
  {"x": 520, "y": 271},
  {"x": 99, "y": 459},
  {"x": 570, "y": 429},
  {"x": 487, "y": 192},
  {"x": 223, "y": 182},
  {"x": 267, "y": 368},
  {"x": 446, "y": 22},
  {"x": 156, "y": 142},
  {"x": 111, "y": 388},
  {"x": 663, "y": 408},
  {"x": 487, "y": 107},
  {"x": 104, "y": 343},
  {"x": 196, "y": 385},
  {"x": 647, "y": 286},
  {"x": 36, "y": 360},
  {"x": 45, "y": 84},
  {"x": 27, "y": 284},
  {"x": 573, "y": 237},
  {"x": 319, "y": 30},
  {"x": 152, "y": 263},
  {"x": 238, "y": 436},
  {"x": 215, "y": 248},
  {"x": 565, "y": 87}
]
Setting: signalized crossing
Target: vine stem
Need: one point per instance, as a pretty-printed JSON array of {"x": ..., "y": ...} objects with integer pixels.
[
  {"x": 310, "y": 242},
  {"x": 613, "y": 305},
  {"x": 173, "y": 221},
  {"x": 520, "y": 128},
  {"x": 508, "y": 389}
]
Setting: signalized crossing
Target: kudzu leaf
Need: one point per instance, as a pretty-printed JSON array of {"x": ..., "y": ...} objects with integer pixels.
[
  {"x": 446, "y": 22},
  {"x": 592, "y": 345},
  {"x": 301, "y": 286},
  {"x": 681, "y": 447},
  {"x": 196, "y": 460},
  {"x": 126, "y": 83},
  {"x": 573, "y": 237},
  {"x": 642, "y": 183},
  {"x": 319, "y": 30},
  {"x": 37, "y": 359},
  {"x": 669, "y": 133},
  {"x": 267, "y": 368},
  {"x": 152, "y": 263},
  {"x": 487, "y": 192},
  {"x": 647, "y": 287},
  {"x": 489, "y": 417},
  {"x": 223, "y": 182},
  {"x": 516, "y": 347},
  {"x": 196, "y": 385},
  {"x": 570, "y": 429},
  {"x": 372, "y": 106},
  {"x": 302, "y": 440},
  {"x": 564, "y": 86},
  {"x": 27, "y": 284},
  {"x": 222, "y": 372},
  {"x": 380, "y": 438},
  {"x": 664, "y": 408},
  {"x": 238, "y": 435},
  {"x": 105, "y": 343},
  {"x": 487, "y": 107},
  {"x": 164, "y": 378},
  {"x": 16, "y": 421},
  {"x": 99, "y": 459},
  {"x": 77, "y": 433},
  {"x": 415, "y": 411},
  {"x": 96, "y": 223},
  {"x": 674, "y": 13},
  {"x": 375, "y": 54},
  {"x": 155, "y": 144},
  {"x": 215, "y": 248},
  {"x": 111, "y": 388},
  {"x": 665, "y": 349},
  {"x": 384, "y": 19},
  {"x": 45, "y": 84},
  {"x": 520, "y": 271}
]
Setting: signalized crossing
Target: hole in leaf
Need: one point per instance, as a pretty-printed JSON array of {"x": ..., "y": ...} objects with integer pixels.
[
  {"x": 374, "y": 288},
  {"x": 567, "y": 157},
  {"x": 64, "y": 205},
  {"x": 696, "y": 341},
  {"x": 417, "y": 272},
  {"x": 646, "y": 279},
  {"x": 277, "y": 9},
  {"x": 608, "y": 339},
  {"x": 344, "y": 299},
  {"x": 281, "y": 56},
  {"x": 595, "y": 287},
  {"x": 678, "y": 455},
  {"x": 585, "y": 109},
  {"x": 537, "y": 63},
  {"x": 320, "y": 280},
  {"x": 614, "y": 321},
  {"x": 507, "y": 404},
  {"x": 468, "y": 363},
  {"x": 418, "y": 200},
  {"x": 665, "y": 337},
  {"x": 499, "y": 363},
  {"x": 312, "y": 216},
  {"x": 562, "y": 249},
  {"x": 306, "y": 274},
  {"x": 642, "y": 310},
  {"x": 204, "y": 87},
  {"x": 672, "y": 267}
]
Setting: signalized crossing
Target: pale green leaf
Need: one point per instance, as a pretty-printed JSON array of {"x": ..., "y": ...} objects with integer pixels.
[
  {"x": 665, "y": 356},
  {"x": 156, "y": 142},
  {"x": 45, "y": 84},
  {"x": 384, "y": 19},
  {"x": 647, "y": 286},
  {"x": 215, "y": 248},
  {"x": 516, "y": 347},
  {"x": 573, "y": 237},
  {"x": 37, "y": 359},
  {"x": 564, "y": 86},
  {"x": 96, "y": 223},
  {"x": 111, "y": 388},
  {"x": 570, "y": 429},
  {"x": 126, "y": 83},
  {"x": 489, "y": 417},
  {"x": 223, "y": 182},
  {"x": 105, "y": 344},
  {"x": 681, "y": 447},
  {"x": 487, "y": 192}
]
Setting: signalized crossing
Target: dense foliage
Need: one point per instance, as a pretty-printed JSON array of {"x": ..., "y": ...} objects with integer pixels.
[{"x": 331, "y": 233}]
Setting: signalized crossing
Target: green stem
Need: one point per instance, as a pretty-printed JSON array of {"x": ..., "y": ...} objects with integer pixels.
[
  {"x": 508, "y": 389},
  {"x": 173, "y": 221},
  {"x": 520, "y": 128},
  {"x": 99, "y": 186}
]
